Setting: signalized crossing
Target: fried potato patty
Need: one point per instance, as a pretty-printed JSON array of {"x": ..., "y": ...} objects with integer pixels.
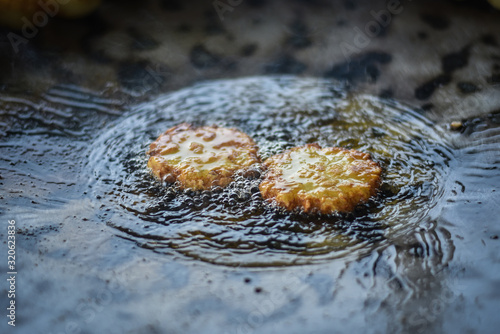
[
  {"x": 317, "y": 179},
  {"x": 200, "y": 158}
]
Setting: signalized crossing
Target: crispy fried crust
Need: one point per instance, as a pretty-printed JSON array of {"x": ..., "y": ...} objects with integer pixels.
[
  {"x": 317, "y": 179},
  {"x": 200, "y": 158}
]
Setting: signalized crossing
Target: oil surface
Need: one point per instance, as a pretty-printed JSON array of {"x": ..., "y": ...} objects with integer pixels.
[
  {"x": 235, "y": 226},
  {"x": 420, "y": 257}
]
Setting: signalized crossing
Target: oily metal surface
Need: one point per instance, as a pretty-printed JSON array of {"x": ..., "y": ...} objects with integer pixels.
[{"x": 235, "y": 226}]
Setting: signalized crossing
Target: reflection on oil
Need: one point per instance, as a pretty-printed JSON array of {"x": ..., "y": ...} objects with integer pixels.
[{"x": 235, "y": 226}]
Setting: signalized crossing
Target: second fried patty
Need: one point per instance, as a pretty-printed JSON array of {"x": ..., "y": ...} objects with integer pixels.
[{"x": 316, "y": 179}]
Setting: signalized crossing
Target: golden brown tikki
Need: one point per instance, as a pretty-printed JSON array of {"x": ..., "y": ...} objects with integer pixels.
[
  {"x": 200, "y": 158},
  {"x": 316, "y": 179}
]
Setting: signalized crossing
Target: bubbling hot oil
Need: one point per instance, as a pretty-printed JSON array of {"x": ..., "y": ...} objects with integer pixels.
[
  {"x": 234, "y": 226},
  {"x": 207, "y": 152}
]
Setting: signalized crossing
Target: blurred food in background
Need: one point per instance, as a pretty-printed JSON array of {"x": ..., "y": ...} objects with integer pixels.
[{"x": 15, "y": 13}]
